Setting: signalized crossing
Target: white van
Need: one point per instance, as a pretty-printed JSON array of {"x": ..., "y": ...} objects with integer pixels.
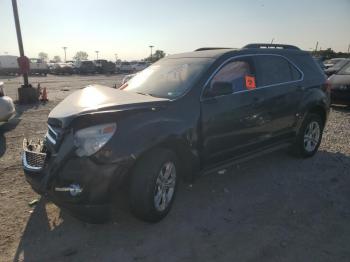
[{"x": 8, "y": 65}]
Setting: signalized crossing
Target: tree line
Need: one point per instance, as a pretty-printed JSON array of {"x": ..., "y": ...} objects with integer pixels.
[{"x": 82, "y": 55}]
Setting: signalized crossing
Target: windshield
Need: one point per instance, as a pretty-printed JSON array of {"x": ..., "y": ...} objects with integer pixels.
[
  {"x": 169, "y": 78},
  {"x": 345, "y": 70},
  {"x": 339, "y": 65}
]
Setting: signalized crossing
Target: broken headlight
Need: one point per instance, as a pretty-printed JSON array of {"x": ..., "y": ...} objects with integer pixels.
[{"x": 89, "y": 140}]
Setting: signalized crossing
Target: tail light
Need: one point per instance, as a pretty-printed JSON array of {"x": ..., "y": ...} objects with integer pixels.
[{"x": 327, "y": 86}]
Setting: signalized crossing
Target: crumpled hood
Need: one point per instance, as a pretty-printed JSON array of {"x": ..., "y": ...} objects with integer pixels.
[{"x": 96, "y": 98}]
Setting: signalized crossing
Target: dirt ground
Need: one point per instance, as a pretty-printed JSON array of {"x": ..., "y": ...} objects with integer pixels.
[{"x": 273, "y": 208}]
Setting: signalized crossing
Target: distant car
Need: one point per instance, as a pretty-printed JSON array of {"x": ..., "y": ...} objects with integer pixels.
[
  {"x": 340, "y": 85},
  {"x": 331, "y": 62},
  {"x": 139, "y": 66},
  {"x": 103, "y": 66},
  {"x": 84, "y": 67},
  {"x": 124, "y": 67},
  {"x": 61, "y": 69},
  {"x": 7, "y": 108},
  {"x": 38, "y": 66},
  {"x": 337, "y": 66}
]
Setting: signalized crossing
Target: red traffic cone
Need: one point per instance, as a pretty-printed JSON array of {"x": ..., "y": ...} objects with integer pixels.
[{"x": 44, "y": 96}]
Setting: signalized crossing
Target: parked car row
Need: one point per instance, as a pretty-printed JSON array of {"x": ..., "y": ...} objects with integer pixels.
[
  {"x": 338, "y": 72},
  {"x": 9, "y": 66}
]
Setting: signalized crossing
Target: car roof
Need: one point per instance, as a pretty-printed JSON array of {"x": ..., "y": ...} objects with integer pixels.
[{"x": 216, "y": 52}]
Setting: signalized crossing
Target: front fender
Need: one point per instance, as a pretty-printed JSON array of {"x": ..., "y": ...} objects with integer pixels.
[{"x": 137, "y": 134}]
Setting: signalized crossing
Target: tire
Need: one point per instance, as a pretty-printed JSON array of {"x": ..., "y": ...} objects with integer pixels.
[
  {"x": 151, "y": 195},
  {"x": 308, "y": 142}
]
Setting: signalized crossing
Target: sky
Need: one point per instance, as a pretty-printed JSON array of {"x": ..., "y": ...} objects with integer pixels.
[{"x": 127, "y": 28}]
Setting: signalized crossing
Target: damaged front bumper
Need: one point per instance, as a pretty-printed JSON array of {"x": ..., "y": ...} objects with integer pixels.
[{"x": 79, "y": 184}]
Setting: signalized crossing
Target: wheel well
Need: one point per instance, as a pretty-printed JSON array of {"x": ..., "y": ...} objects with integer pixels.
[
  {"x": 189, "y": 162},
  {"x": 319, "y": 111}
]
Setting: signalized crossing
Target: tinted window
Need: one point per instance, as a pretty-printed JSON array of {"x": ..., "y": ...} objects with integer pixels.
[
  {"x": 275, "y": 70},
  {"x": 239, "y": 73},
  {"x": 296, "y": 75}
]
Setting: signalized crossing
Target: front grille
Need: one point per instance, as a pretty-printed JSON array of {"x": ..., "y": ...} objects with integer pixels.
[{"x": 33, "y": 160}]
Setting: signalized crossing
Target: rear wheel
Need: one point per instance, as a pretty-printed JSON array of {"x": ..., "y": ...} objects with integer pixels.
[
  {"x": 310, "y": 135},
  {"x": 153, "y": 185}
]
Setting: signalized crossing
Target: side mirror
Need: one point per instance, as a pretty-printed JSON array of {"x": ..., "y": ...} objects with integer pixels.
[{"x": 220, "y": 88}]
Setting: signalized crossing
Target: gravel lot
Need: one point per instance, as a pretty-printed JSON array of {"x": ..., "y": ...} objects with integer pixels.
[{"x": 273, "y": 208}]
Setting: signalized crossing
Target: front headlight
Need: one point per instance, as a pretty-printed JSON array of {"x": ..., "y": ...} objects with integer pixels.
[{"x": 90, "y": 140}]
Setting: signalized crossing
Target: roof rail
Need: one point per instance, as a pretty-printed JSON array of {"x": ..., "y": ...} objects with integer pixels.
[
  {"x": 278, "y": 46},
  {"x": 211, "y": 48}
]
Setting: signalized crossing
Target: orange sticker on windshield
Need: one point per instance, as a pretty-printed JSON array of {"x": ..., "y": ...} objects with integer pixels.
[{"x": 250, "y": 82}]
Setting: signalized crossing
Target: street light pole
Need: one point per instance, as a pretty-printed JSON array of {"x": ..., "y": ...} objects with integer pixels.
[
  {"x": 19, "y": 38},
  {"x": 151, "y": 46},
  {"x": 65, "y": 57},
  {"x": 116, "y": 57},
  {"x": 97, "y": 54}
]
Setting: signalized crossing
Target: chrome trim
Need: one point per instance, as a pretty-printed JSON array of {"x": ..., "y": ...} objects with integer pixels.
[
  {"x": 258, "y": 88},
  {"x": 29, "y": 167},
  {"x": 53, "y": 141},
  {"x": 53, "y": 131}
]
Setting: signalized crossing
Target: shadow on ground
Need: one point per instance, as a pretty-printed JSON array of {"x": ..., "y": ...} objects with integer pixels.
[{"x": 274, "y": 208}]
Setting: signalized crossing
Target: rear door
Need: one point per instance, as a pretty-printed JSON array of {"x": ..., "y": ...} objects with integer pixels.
[{"x": 282, "y": 81}]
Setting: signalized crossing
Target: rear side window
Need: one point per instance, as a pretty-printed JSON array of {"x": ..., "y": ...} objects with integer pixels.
[
  {"x": 240, "y": 74},
  {"x": 274, "y": 70}
]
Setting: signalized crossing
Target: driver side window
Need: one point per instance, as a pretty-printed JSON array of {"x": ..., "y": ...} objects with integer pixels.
[{"x": 235, "y": 76}]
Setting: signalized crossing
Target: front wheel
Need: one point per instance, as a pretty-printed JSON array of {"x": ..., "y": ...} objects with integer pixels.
[
  {"x": 153, "y": 185},
  {"x": 310, "y": 135}
]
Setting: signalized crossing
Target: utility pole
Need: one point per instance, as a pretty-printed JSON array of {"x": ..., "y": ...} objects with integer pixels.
[
  {"x": 316, "y": 46},
  {"x": 151, "y": 46},
  {"x": 19, "y": 38},
  {"x": 26, "y": 94},
  {"x": 272, "y": 40},
  {"x": 65, "y": 57},
  {"x": 116, "y": 57},
  {"x": 97, "y": 54}
]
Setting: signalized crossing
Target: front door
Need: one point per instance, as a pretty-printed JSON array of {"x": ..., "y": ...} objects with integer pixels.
[{"x": 233, "y": 123}]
